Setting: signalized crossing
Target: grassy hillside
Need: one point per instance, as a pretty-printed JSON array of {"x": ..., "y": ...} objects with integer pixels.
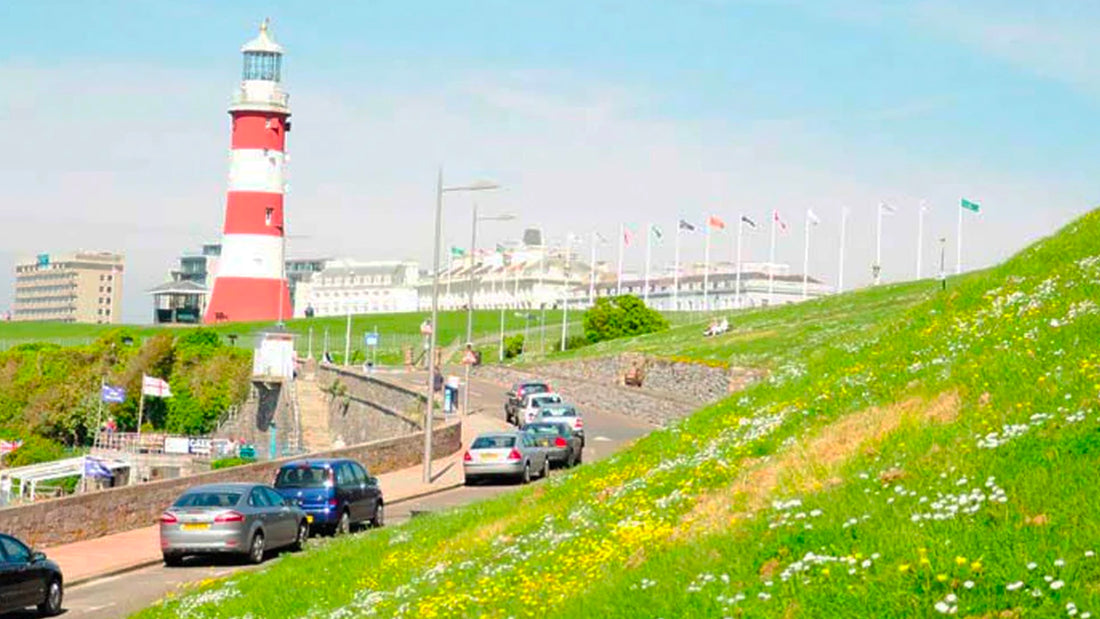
[{"x": 934, "y": 459}]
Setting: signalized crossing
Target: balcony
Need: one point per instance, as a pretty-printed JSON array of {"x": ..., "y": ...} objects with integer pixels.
[{"x": 275, "y": 100}]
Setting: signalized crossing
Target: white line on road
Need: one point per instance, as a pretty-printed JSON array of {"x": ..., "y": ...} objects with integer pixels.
[{"x": 602, "y": 439}]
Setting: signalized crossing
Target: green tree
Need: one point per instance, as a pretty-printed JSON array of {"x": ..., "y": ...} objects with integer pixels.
[{"x": 622, "y": 316}]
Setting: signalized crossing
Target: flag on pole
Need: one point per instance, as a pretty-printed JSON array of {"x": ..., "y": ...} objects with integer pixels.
[
  {"x": 112, "y": 395},
  {"x": 627, "y": 235},
  {"x": 657, "y": 234},
  {"x": 457, "y": 252},
  {"x": 887, "y": 209},
  {"x": 812, "y": 217},
  {"x": 686, "y": 226},
  {"x": 95, "y": 469},
  {"x": 155, "y": 387},
  {"x": 973, "y": 207},
  {"x": 779, "y": 221},
  {"x": 6, "y": 447},
  {"x": 714, "y": 222},
  {"x": 599, "y": 239},
  {"x": 751, "y": 223}
]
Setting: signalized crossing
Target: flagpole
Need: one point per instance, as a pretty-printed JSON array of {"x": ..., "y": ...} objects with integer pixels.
[
  {"x": 920, "y": 237},
  {"x": 737, "y": 289},
  {"x": 959, "y": 244},
  {"x": 592, "y": 274},
  {"x": 648, "y": 242},
  {"x": 676, "y": 272},
  {"x": 622, "y": 246},
  {"x": 840, "y": 268},
  {"x": 565, "y": 291},
  {"x": 806, "y": 260},
  {"x": 771, "y": 264},
  {"x": 706, "y": 268},
  {"x": 450, "y": 272},
  {"x": 877, "y": 270}
]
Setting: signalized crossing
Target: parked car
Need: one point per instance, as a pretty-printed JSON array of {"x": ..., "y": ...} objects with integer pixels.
[
  {"x": 516, "y": 394},
  {"x": 533, "y": 402},
  {"x": 28, "y": 578},
  {"x": 505, "y": 454},
  {"x": 565, "y": 413},
  {"x": 562, "y": 445},
  {"x": 237, "y": 518},
  {"x": 337, "y": 495}
]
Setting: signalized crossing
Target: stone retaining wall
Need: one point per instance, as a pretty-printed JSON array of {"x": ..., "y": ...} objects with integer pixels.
[
  {"x": 87, "y": 516},
  {"x": 370, "y": 408}
]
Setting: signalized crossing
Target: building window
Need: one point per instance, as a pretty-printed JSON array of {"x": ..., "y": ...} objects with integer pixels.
[{"x": 268, "y": 213}]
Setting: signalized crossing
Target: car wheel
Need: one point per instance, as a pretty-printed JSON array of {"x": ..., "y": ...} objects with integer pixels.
[
  {"x": 580, "y": 456},
  {"x": 526, "y": 477},
  {"x": 379, "y": 519},
  {"x": 343, "y": 526},
  {"x": 545, "y": 468},
  {"x": 256, "y": 548},
  {"x": 173, "y": 560},
  {"x": 303, "y": 535},
  {"x": 471, "y": 480},
  {"x": 52, "y": 604},
  {"x": 571, "y": 461}
]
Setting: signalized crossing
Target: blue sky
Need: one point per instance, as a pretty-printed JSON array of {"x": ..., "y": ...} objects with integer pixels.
[{"x": 589, "y": 114}]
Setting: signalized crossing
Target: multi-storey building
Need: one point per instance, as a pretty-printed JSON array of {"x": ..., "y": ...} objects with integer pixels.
[
  {"x": 348, "y": 286},
  {"x": 77, "y": 287}
]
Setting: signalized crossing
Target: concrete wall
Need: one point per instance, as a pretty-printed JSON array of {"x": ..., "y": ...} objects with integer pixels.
[
  {"x": 670, "y": 389},
  {"x": 370, "y": 408},
  {"x": 96, "y": 514}
]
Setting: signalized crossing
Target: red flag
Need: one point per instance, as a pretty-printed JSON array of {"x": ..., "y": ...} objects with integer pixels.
[
  {"x": 777, "y": 220},
  {"x": 714, "y": 222},
  {"x": 627, "y": 235}
]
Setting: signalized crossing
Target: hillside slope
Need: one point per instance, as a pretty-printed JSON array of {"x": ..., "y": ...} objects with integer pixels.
[{"x": 942, "y": 461}]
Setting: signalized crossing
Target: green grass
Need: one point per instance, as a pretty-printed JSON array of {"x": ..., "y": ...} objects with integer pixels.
[{"x": 776, "y": 502}]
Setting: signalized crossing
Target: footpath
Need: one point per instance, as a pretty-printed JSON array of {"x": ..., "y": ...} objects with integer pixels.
[{"x": 122, "y": 552}]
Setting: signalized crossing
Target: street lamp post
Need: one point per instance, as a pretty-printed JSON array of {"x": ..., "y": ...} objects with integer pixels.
[
  {"x": 565, "y": 292},
  {"x": 470, "y": 298},
  {"x": 347, "y": 334},
  {"x": 439, "y": 191}
]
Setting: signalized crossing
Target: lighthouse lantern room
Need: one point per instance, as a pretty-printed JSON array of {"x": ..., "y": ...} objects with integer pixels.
[{"x": 250, "y": 281}]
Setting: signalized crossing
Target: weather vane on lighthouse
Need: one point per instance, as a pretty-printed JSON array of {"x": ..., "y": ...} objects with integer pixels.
[{"x": 250, "y": 278}]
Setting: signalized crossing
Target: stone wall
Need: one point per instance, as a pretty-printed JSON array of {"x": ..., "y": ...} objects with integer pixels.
[
  {"x": 87, "y": 516},
  {"x": 369, "y": 408},
  {"x": 670, "y": 389}
]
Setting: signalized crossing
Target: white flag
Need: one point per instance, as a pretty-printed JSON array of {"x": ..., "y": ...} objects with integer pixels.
[
  {"x": 812, "y": 217},
  {"x": 155, "y": 387},
  {"x": 887, "y": 209}
]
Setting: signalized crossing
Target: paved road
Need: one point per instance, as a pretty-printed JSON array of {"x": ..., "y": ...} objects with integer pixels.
[{"x": 119, "y": 596}]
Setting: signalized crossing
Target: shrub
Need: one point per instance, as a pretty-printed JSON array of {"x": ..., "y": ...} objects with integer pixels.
[
  {"x": 621, "y": 316},
  {"x": 513, "y": 346},
  {"x": 224, "y": 463}
]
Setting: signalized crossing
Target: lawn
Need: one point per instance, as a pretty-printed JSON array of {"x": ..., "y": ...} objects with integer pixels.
[{"x": 913, "y": 452}]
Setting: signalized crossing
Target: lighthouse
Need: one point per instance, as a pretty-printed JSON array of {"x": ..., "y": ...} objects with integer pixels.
[{"x": 250, "y": 280}]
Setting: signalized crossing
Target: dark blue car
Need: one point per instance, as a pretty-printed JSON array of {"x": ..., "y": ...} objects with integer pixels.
[{"x": 337, "y": 495}]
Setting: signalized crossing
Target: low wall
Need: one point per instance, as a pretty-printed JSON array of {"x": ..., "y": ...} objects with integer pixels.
[
  {"x": 87, "y": 516},
  {"x": 369, "y": 408}
]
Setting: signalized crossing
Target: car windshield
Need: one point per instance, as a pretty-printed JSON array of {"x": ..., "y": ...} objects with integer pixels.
[
  {"x": 559, "y": 411},
  {"x": 542, "y": 428},
  {"x": 545, "y": 399},
  {"x": 303, "y": 476},
  {"x": 494, "y": 442},
  {"x": 208, "y": 499}
]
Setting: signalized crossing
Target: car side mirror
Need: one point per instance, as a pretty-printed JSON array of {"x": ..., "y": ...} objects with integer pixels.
[{"x": 37, "y": 557}]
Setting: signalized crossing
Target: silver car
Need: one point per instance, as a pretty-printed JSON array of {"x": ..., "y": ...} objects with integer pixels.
[
  {"x": 505, "y": 454},
  {"x": 239, "y": 518}
]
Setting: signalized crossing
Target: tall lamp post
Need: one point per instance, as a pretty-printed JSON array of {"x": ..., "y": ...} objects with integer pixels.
[
  {"x": 470, "y": 298},
  {"x": 347, "y": 332},
  {"x": 439, "y": 191}
]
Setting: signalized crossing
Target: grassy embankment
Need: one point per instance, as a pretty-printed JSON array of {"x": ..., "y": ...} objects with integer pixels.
[{"x": 941, "y": 458}]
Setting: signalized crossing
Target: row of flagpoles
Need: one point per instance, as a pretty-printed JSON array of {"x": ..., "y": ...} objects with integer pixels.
[{"x": 714, "y": 222}]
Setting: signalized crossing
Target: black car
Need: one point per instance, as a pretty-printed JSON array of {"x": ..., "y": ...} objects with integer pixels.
[
  {"x": 563, "y": 446},
  {"x": 515, "y": 397},
  {"x": 28, "y": 578}
]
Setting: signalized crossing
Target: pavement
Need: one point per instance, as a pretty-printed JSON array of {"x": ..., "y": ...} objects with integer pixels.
[
  {"x": 123, "y": 573},
  {"x": 114, "y": 554}
]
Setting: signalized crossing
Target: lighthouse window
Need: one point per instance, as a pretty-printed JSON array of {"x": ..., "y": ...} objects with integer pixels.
[
  {"x": 267, "y": 215},
  {"x": 262, "y": 66}
]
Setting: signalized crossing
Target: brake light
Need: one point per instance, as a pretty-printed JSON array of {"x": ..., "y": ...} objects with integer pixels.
[
  {"x": 514, "y": 454},
  {"x": 559, "y": 442},
  {"x": 229, "y": 517},
  {"x": 331, "y": 503},
  {"x": 168, "y": 518},
  {"x": 467, "y": 457},
  {"x": 578, "y": 423}
]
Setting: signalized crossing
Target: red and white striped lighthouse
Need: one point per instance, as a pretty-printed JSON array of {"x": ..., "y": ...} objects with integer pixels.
[{"x": 250, "y": 281}]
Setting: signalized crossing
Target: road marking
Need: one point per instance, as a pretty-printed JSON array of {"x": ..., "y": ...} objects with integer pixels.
[
  {"x": 92, "y": 609},
  {"x": 602, "y": 439}
]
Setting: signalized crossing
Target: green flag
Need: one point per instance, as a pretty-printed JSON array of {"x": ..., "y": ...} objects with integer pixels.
[
  {"x": 457, "y": 252},
  {"x": 970, "y": 206}
]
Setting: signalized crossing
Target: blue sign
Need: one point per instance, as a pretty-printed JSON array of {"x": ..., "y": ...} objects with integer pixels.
[
  {"x": 371, "y": 339},
  {"x": 112, "y": 395}
]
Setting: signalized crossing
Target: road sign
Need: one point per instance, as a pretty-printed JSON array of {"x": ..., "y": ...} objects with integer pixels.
[
  {"x": 469, "y": 357},
  {"x": 426, "y": 327},
  {"x": 371, "y": 339}
]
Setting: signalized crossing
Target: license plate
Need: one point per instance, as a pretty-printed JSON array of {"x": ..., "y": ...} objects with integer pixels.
[
  {"x": 309, "y": 519},
  {"x": 489, "y": 456},
  {"x": 195, "y": 527}
]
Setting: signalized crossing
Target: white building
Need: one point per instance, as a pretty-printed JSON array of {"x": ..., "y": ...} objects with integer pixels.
[{"x": 359, "y": 288}]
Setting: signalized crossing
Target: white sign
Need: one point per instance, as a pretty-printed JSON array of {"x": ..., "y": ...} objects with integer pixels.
[
  {"x": 200, "y": 446},
  {"x": 177, "y": 445}
]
